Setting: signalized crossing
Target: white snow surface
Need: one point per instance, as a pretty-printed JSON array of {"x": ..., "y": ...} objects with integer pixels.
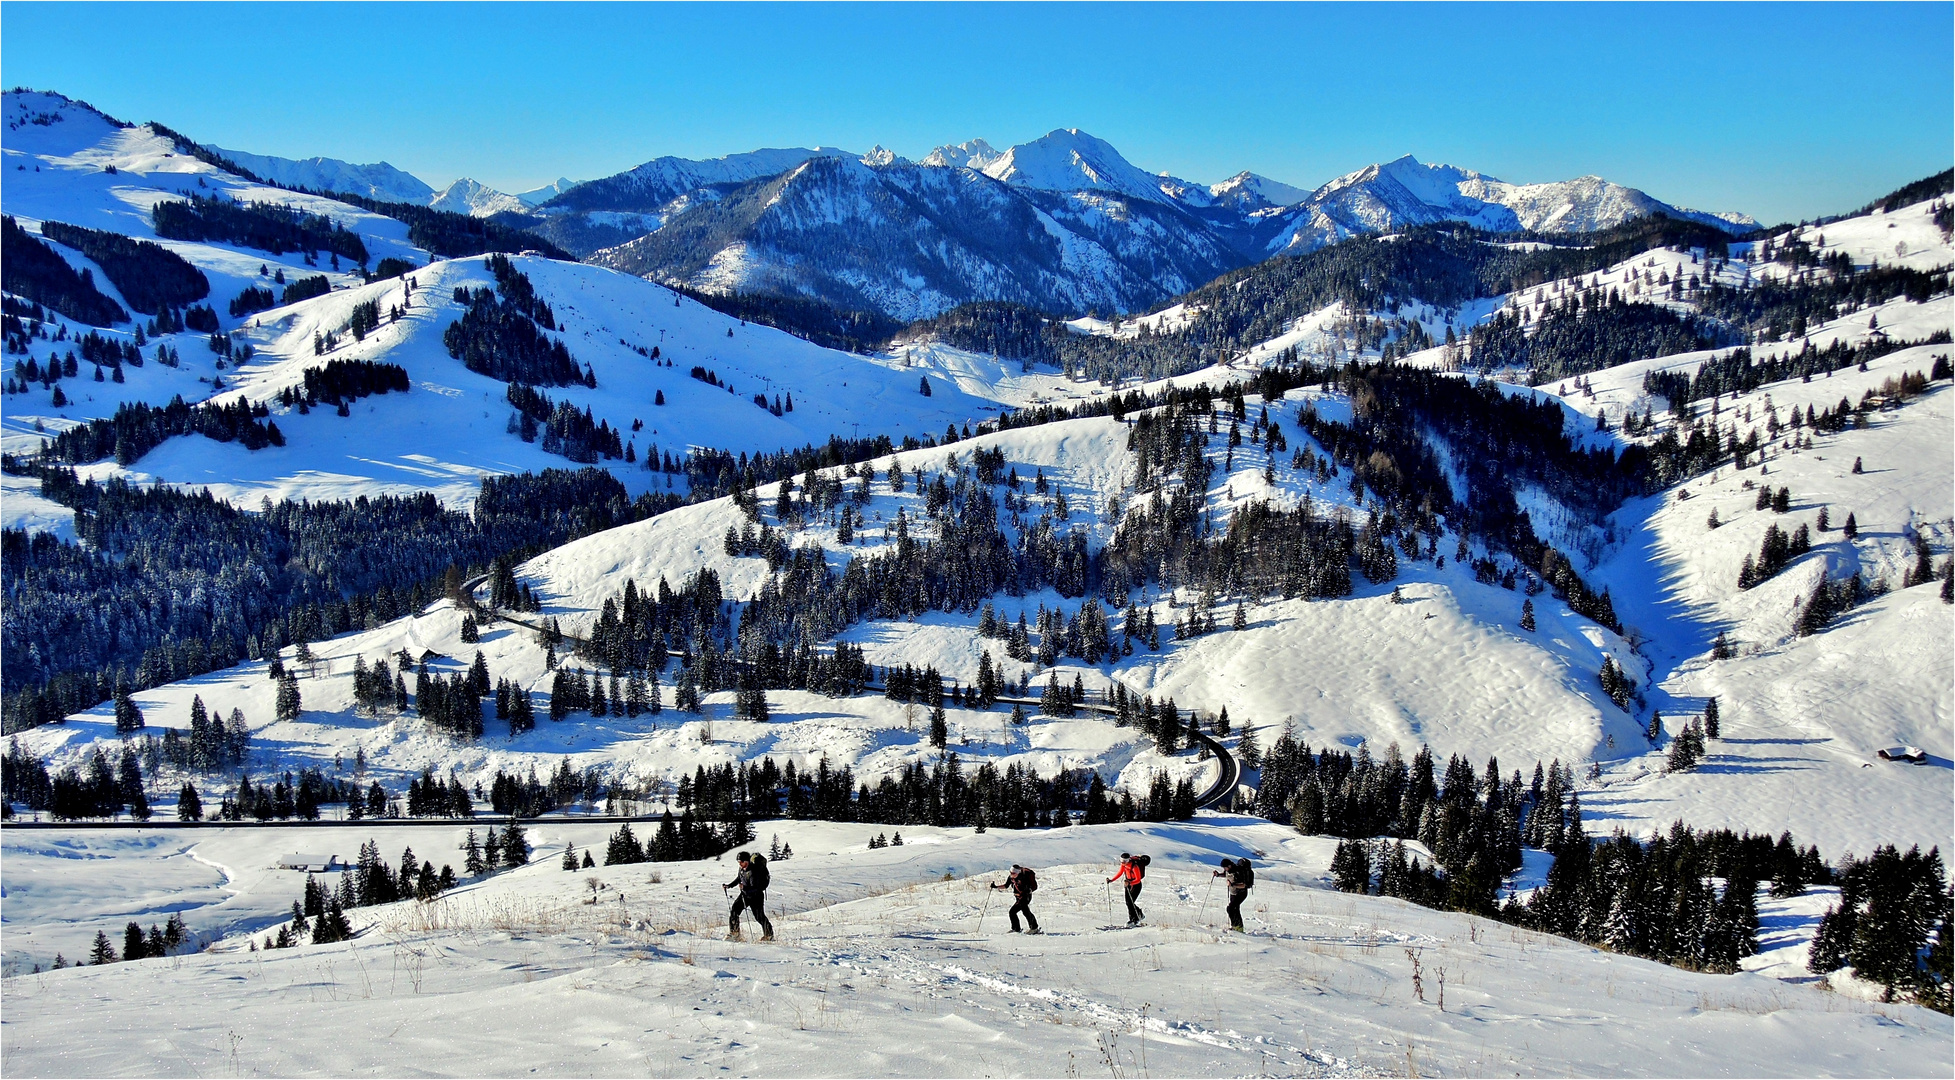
[{"x": 887, "y": 962}]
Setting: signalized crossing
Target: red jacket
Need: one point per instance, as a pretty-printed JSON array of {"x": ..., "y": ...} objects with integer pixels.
[{"x": 1130, "y": 872}]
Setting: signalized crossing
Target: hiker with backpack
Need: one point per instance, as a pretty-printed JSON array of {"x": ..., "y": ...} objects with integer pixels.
[
  {"x": 1241, "y": 878},
  {"x": 752, "y": 880},
  {"x": 1132, "y": 869},
  {"x": 1023, "y": 883}
]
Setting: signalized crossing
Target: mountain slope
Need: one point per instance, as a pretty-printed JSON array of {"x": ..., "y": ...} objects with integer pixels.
[
  {"x": 888, "y": 962},
  {"x": 1404, "y": 192},
  {"x": 910, "y": 241},
  {"x": 378, "y": 181}
]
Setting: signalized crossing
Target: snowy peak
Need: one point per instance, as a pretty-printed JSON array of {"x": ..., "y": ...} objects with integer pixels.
[
  {"x": 1069, "y": 159},
  {"x": 466, "y": 196},
  {"x": 544, "y": 194},
  {"x": 880, "y": 156},
  {"x": 1250, "y": 192},
  {"x": 975, "y": 154},
  {"x": 1406, "y": 192},
  {"x": 648, "y": 188},
  {"x": 377, "y": 181}
]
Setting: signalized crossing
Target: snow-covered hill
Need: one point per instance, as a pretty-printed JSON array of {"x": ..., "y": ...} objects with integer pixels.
[
  {"x": 887, "y": 962},
  {"x": 378, "y": 181},
  {"x": 76, "y": 166}
]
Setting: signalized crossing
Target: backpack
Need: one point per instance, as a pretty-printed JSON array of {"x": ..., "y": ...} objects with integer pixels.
[
  {"x": 1245, "y": 875},
  {"x": 1141, "y": 861},
  {"x": 1028, "y": 882},
  {"x": 757, "y": 871}
]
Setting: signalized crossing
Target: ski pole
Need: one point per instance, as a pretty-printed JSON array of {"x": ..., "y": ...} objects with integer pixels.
[
  {"x": 1205, "y": 896},
  {"x": 987, "y": 907}
]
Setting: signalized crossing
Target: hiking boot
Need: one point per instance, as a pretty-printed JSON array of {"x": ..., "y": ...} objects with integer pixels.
[
  {"x": 767, "y": 937},
  {"x": 1035, "y": 930}
]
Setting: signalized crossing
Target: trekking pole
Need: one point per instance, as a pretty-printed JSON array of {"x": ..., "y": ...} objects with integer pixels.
[
  {"x": 987, "y": 907},
  {"x": 1211, "y": 892}
]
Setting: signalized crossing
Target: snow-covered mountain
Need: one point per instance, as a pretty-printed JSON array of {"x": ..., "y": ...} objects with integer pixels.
[
  {"x": 377, "y": 181},
  {"x": 911, "y": 240},
  {"x": 650, "y": 188},
  {"x": 975, "y": 154},
  {"x": 1404, "y": 192},
  {"x": 68, "y": 163},
  {"x": 1249, "y": 192},
  {"x": 539, "y": 196},
  {"x": 466, "y": 196}
]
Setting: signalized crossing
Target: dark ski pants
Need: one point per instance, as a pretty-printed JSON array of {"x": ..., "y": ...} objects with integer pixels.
[
  {"x": 750, "y": 900},
  {"x": 1025, "y": 905},
  {"x": 1236, "y": 897},
  {"x": 1134, "y": 913}
]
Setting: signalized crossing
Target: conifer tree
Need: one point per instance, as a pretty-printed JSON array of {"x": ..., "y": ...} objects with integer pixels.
[
  {"x": 102, "y": 952},
  {"x": 1527, "y": 615},
  {"x": 188, "y": 806},
  {"x": 1711, "y": 719},
  {"x": 939, "y": 728}
]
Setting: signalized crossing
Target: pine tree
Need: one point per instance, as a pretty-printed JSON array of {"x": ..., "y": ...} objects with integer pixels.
[
  {"x": 1250, "y": 753},
  {"x": 188, "y": 806},
  {"x": 128, "y": 716},
  {"x": 1527, "y": 615},
  {"x": 102, "y": 952},
  {"x": 134, "y": 945},
  {"x": 939, "y": 728},
  {"x": 1350, "y": 867},
  {"x": 515, "y": 844},
  {"x": 1711, "y": 719},
  {"x": 570, "y": 856},
  {"x": 288, "y": 704},
  {"x": 1655, "y": 732}
]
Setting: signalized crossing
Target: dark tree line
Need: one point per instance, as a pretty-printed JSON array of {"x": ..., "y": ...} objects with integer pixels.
[
  {"x": 137, "y": 428},
  {"x": 306, "y": 288},
  {"x": 1686, "y": 898},
  {"x": 1739, "y": 372},
  {"x": 337, "y": 382},
  {"x": 265, "y": 226},
  {"x": 79, "y": 619},
  {"x": 576, "y": 435},
  {"x": 499, "y": 335},
  {"x": 1573, "y": 337},
  {"x": 851, "y": 330},
  {"x": 32, "y": 270},
  {"x": 150, "y": 277}
]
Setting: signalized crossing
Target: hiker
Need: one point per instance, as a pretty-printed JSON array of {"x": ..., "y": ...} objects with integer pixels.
[
  {"x": 1132, "y": 869},
  {"x": 752, "y": 880},
  {"x": 1022, "y": 883},
  {"x": 1241, "y": 878}
]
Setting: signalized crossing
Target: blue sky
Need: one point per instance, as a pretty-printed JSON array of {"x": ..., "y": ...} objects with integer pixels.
[{"x": 1781, "y": 111}]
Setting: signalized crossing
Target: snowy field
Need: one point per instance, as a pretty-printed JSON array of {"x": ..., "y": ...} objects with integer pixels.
[{"x": 897, "y": 962}]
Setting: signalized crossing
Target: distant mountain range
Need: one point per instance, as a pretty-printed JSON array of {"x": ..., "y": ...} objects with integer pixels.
[{"x": 1063, "y": 223}]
